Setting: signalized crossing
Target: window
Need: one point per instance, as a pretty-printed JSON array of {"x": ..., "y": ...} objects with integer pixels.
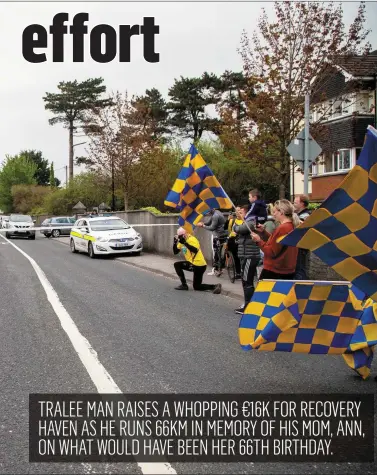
[
  {"x": 363, "y": 106},
  {"x": 344, "y": 159},
  {"x": 328, "y": 162},
  {"x": 358, "y": 151},
  {"x": 338, "y": 161},
  {"x": 336, "y": 109},
  {"x": 62, "y": 220}
]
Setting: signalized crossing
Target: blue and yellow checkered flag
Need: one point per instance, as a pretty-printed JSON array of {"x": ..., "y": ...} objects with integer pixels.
[
  {"x": 196, "y": 191},
  {"x": 343, "y": 230},
  {"x": 312, "y": 318}
]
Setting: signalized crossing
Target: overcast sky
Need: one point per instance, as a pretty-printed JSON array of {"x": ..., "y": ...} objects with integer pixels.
[{"x": 194, "y": 37}]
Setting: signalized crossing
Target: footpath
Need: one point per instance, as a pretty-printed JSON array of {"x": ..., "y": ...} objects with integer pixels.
[{"x": 164, "y": 266}]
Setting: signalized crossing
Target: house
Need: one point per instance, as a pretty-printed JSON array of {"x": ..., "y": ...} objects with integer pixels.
[{"x": 342, "y": 107}]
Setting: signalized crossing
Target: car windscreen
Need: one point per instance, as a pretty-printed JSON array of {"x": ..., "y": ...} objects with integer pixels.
[
  {"x": 19, "y": 218},
  {"x": 108, "y": 225}
]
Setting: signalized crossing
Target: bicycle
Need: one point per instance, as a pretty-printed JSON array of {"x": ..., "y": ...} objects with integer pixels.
[{"x": 227, "y": 262}]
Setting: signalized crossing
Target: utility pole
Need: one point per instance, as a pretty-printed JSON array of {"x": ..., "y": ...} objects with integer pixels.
[
  {"x": 112, "y": 185},
  {"x": 306, "y": 149},
  {"x": 66, "y": 176}
]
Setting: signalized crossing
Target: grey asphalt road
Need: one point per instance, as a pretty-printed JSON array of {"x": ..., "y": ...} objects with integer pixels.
[{"x": 150, "y": 338}]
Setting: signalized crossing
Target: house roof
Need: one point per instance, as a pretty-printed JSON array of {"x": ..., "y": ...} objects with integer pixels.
[
  {"x": 333, "y": 80},
  {"x": 359, "y": 66}
]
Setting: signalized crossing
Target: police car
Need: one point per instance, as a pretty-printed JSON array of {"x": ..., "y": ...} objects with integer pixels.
[{"x": 104, "y": 236}]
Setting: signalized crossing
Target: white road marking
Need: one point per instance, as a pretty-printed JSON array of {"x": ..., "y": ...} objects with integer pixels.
[{"x": 88, "y": 356}]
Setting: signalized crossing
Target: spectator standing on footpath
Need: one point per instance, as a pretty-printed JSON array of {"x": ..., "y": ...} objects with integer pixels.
[
  {"x": 194, "y": 262},
  {"x": 301, "y": 203},
  {"x": 279, "y": 261},
  {"x": 249, "y": 255},
  {"x": 216, "y": 225},
  {"x": 234, "y": 219},
  {"x": 270, "y": 224}
]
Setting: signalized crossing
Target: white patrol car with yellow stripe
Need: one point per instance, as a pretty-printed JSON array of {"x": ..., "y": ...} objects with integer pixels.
[{"x": 104, "y": 236}]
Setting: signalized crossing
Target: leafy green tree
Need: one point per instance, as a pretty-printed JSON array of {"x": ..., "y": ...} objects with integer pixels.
[
  {"x": 28, "y": 198},
  {"x": 91, "y": 188},
  {"x": 42, "y": 173},
  {"x": 151, "y": 110},
  {"x": 52, "y": 176},
  {"x": 189, "y": 98},
  {"x": 71, "y": 103},
  {"x": 235, "y": 176},
  {"x": 16, "y": 170},
  {"x": 153, "y": 175}
]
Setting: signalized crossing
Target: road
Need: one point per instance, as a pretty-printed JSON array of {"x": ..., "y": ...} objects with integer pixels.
[{"x": 150, "y": 339}]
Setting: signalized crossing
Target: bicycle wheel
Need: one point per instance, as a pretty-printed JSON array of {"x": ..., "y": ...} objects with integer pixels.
[{"x": 231, "y": 267}]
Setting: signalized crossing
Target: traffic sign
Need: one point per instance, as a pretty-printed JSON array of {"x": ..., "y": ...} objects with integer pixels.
[{"x": 296, "y": 149}]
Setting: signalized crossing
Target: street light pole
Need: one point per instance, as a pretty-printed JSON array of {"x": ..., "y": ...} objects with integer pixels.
[
  {"x": 306, "y": 152},
  {"x": 112, "y": 186},
  {"x": 73, "y": 146}
]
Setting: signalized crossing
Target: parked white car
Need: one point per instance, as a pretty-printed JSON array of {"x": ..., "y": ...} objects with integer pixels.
[
  {"x": 20, "y": 225},
  {"x": 105, "y": 236}
]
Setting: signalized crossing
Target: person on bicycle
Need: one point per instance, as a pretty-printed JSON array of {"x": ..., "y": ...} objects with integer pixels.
[
  {"x": 234, "y": 219},
  {"x": 194, "y": 262},
  {"x": 219, "y": 235},
  {"x": 249, "y": 254}
]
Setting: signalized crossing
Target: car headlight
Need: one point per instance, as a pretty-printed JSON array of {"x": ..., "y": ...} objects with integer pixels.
[
  {"x": 103, "y": 239},
  {"x": 138, "y": 235}
]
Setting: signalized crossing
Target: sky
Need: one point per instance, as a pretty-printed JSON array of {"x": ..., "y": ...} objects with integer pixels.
[{"x": 194, "y": 37}]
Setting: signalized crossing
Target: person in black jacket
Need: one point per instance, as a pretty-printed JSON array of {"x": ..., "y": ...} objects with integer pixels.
[
  {"x": 249, "y": 254},
  {"x": 258, "y": 208},
  {"x": 301, "y": 204},
  {"x": 216, "y": 225}
]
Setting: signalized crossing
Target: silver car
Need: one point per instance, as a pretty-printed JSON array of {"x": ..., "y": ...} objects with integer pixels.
[
  {"x": 60, "y": 225},
  {"x": 20, "y": 225}
]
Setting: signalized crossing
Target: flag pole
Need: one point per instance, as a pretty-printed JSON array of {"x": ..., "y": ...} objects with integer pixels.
[{"x": 248, "y": 227}]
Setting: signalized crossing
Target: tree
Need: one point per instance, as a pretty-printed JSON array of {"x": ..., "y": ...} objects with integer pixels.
[
  {"x": 152, "y": 111},
  {"x": 163, "y": 163},
  {"x": 71, "y": 103},
  {"x": 91, "y": 188},
  {"x": 235, "y": 177},
  {"x": 189, "y": 98},
  {"x": 282, "y": 62},
  {"x": 16, "y": 170},
  {"x": 229, "y": 90},
  {"x": 42, "y": 173},
  {"x": 52, "y": 176},
  {"x": 118, "y": 138},
  {"x": 27, "y": 198}
]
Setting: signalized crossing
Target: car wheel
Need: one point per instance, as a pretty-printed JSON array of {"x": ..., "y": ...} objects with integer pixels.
[
  {"x": 32, "y": 237},
  {"x": 7, "y": 235},
  {"x": 56, "y": 233},
  {"x": 137, "y": 253},
  {"x": 91, "y": 250},
  {"x": 72, "y": 246}
]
